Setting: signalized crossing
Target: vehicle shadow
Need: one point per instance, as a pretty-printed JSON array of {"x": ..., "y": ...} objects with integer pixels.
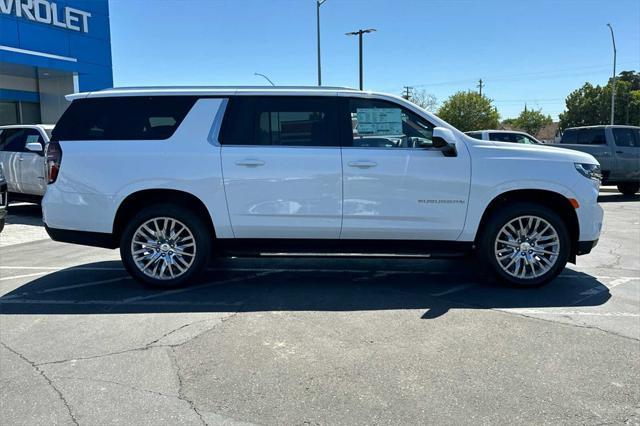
[
  {"x": 24, "y": 214},
  {"x": 617, "y": 197},
  {"x": 251, "y": 285}
]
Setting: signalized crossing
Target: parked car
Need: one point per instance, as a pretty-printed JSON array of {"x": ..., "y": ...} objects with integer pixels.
[
  {"x": 22, "y": 157},
  {"x": 172, "y": 176},
  {"x": 504, "y": 136},
  {"x": 3, "y": 199},
  {"x": 617, "y": 148}
]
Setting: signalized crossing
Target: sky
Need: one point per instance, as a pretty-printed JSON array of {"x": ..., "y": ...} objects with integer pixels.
[{"x": 526, "y": 51}]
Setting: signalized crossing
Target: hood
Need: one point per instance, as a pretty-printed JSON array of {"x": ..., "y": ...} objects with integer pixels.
[{"x": 535, "y": 152}]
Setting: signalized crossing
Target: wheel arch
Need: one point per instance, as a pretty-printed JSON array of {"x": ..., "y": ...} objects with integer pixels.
[
  {"x": 135, "y": 201},
  {"x": 553, "y": 200}
]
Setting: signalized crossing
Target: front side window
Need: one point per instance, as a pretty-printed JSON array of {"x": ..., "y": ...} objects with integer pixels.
[
  {"x": 13, "y": 140},
  {"x": 569, "y": 137},
  {"x": 626, "y": 137},
  {"x": 123, "y": 118},
  {"x": 503, "y": 137},
  {"x": 476, "y": 135},
  {"x": 382, "y": 124}
]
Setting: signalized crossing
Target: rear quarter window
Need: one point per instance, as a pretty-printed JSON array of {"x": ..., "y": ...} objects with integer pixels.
[{"x": 123, "y": 118}]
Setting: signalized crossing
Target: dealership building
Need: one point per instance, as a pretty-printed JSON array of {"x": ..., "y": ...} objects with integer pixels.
[{"x": 48, "y": 49}]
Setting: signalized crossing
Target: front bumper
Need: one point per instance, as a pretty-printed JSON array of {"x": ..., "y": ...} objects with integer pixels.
[{"x": 585, "y": 247}]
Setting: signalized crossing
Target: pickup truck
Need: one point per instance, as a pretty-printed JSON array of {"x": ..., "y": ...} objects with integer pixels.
[{"x": 617, "y": 148}]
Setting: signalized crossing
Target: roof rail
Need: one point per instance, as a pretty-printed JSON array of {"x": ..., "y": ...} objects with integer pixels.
[{"x": 230, "y": 88}]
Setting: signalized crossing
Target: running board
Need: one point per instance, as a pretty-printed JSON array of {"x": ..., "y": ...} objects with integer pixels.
[{"x": 343, "y": 248}]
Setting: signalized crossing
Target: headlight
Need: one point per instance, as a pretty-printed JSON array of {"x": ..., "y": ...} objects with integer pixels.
[{"x": 591, "y": 171}]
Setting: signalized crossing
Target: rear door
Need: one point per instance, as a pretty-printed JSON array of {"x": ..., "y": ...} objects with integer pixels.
[
  {"x": 627, "y": 149},
  {"x": 396, "y": 184},
  {"x": 281, "y": 167},
  {"x": 32, "y": 165}
]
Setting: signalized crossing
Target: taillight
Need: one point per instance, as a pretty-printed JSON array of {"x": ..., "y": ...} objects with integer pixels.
[{"x": 53, "y": 155}]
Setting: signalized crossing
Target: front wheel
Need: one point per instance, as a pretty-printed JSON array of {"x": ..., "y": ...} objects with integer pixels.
[
  {"x": 629, "y": 188},
  {"x": 525, "y": 244},
  {"x": 165, "y": 246}
]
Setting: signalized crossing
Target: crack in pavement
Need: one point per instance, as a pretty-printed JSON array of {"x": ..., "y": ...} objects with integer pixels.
[
  {"x": 146, "y": 346},
  {"x": 176, "y": 370},
  {"x": 46, "y": 378}
]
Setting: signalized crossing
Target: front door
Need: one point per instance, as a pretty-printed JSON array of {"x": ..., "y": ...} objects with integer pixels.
[
  {"x": 32, "y": 166},
  {"x": 281, "y": 167},
  {"x": 627, "y": 149},
  {"x": 396, "y": 185},
  {"x": 12, "y": 143}
]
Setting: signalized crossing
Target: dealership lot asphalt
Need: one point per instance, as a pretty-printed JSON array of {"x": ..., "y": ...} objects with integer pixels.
[{"x": 317, "y": 341}]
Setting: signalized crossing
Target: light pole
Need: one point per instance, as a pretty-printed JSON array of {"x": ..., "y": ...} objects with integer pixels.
[
  {"x": 613, "y": 84},
  {"x": 359, "y": 34},
  {"x": 318, "y": 4},
  {"x": 265, "y": 77}
]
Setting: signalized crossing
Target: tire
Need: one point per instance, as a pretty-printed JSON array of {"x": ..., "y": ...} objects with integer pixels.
[
  {"x": 542, "y": 266},
  {"x": 629, "y": 188},
  {"x": 159, "y": 260},
  {"x": 1, "y": 225}
]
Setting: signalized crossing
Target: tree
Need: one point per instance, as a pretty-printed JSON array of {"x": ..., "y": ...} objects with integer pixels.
[
  {"x": 591, "y": 105},
  {"x": 531, "y": 121},
  {"x": 424, "y": 100},
  {"x": 469, "y": 111}
]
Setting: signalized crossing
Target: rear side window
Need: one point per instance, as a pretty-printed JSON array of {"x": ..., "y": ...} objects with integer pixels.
[
  {"x": 627, "y": 137},
  {"x": 591, "y": 137},
  {"x": 123, "y": 118},
  {"x": 283, "y": 121}
]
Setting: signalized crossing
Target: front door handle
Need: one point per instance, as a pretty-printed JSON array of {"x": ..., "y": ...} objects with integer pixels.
[
  {"x": 363, "y": 164},
  {"x": 619, "y": 152},
  {"x": 250, "y": 163}
]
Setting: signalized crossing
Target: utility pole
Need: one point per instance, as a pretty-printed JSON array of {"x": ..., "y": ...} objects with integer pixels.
[
  {"x": 480, "y": 86},
  {"x": 407, "y": 92},
  {"x": 318, "y": 4},
  {"x": 359, "y": 34},
  {"x": 613, "y": 84}
]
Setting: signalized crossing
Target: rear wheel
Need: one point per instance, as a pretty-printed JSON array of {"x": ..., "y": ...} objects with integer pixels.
[
  {"x": 525, "y": 244},
  {"x": 165, "y": 246},
  {"x": 629, "y": 188}
]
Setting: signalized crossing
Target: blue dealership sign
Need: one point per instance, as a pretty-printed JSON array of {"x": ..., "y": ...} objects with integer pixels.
[{"x": 66, "y": 35}]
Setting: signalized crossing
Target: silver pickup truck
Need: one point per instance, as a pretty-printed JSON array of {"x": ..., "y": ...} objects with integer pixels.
[{"x": 617, "y": 148}]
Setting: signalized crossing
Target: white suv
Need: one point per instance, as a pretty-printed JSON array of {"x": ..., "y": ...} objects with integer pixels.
[{"x": 173, "y": 176}]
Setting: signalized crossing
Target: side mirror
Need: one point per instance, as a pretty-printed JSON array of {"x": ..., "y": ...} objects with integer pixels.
[
  {"x": 34, "y": 147},
  {"x": 445, "y": 141}
]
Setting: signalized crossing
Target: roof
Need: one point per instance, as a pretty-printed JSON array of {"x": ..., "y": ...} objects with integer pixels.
[
  {"x": 499, "y": 131},
  {"x": 29, "y": 126},
  {"x": 214, "y": 91},
  {"x": 600, "y": 126}
]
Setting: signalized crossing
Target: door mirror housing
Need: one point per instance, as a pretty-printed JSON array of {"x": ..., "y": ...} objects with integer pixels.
[
  {"x": 34, "y": 147},
  {"x": 444, "y": 140}
]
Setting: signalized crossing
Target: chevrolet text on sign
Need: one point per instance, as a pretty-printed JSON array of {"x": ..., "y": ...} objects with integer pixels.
[{"x": 47, "y": 12}]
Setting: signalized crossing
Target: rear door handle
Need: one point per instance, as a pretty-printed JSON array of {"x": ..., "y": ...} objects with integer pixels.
[
  {"x": 250, "y": 163},
  {"x": 363, "y": 164},
  {"x": 619, "y": 152}
]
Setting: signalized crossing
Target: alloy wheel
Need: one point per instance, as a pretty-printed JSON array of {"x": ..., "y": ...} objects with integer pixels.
[
  {"x": 527, "y": 247},
  {"x": 163, "y": 248}
]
